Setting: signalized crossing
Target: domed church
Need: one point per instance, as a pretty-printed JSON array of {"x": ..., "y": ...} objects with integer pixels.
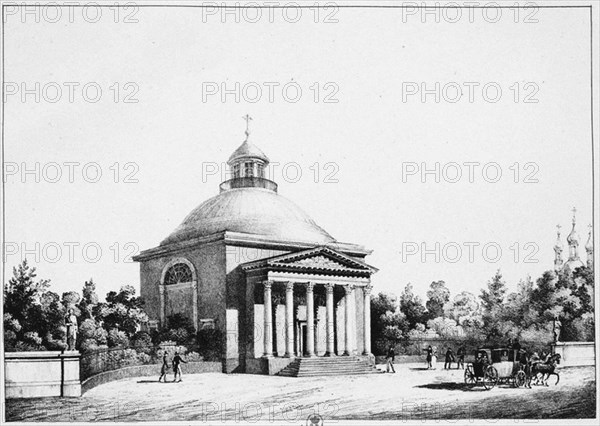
[
  {"x": 254, "y": 265},
  {"x": 574, "y": 261}
]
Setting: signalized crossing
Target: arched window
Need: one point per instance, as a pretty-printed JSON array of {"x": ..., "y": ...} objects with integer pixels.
[{"x": 178, "y": 273}]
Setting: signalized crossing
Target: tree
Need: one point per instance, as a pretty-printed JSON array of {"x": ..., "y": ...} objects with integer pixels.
[
  {"x": 437, "y": 295},
  {"x": 412, "y": 307},
  {"x": 33, "y": 316},
  {"x": 380, "y": 306},
  {"x": 122, "y": 311},
  {"x": 464, "y": 309},
  {"x": 492, "y": 301},
  {"x": 88, "y": 301}
]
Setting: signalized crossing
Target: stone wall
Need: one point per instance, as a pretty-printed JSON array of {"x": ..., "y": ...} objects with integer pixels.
[
  {"x": 575, "y": 354},
  {"x": 151, "y": 370},
  {"x": 40, "y": 374}
]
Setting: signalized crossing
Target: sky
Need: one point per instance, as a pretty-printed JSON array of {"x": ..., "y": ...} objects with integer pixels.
[{"x": 136, "y": 114}]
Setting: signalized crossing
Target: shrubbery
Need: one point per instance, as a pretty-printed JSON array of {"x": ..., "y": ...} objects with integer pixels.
[{"x": 490, "y": 319}]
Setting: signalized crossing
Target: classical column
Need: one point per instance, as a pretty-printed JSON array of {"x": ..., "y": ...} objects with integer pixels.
[
  {"x": 330, "y": 325},
  {"x": 353, "y": 342},
  {"x": 348, "y": 317},
  {"x": 289, "y": 319},
  {"x": 310, "y": 320},
  {"x": 195, "y": 303},
  {"x": 367, "y": 319},
  {"x": 161, "y": 296},
  {"x": 268, "y": 331}
]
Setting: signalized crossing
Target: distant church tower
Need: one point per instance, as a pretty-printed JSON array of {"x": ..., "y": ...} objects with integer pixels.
[
  {"x": 574, "y": 261},
  {"x": 558, "y": 249},
  {"x": 589, "y": 248}
]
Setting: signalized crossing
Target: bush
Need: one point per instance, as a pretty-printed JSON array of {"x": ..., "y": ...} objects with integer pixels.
[
  {"x": 141, "y": 338},
  {"x": 180, "y": 335},
  {"x": 193, "y": 357},
  {"x": 10, "y": 339},
  {"x": 88, "y": 345},
  {"x": 210, "y": 344},
  {"x": 117, "y": 338}
]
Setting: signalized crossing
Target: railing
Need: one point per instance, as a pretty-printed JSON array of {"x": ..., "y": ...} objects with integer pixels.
[
  {"x": 107, "y": 359},
  {"x": 248, "y": 182}
]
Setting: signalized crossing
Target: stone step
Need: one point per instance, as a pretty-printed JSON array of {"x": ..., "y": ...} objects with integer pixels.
[{"x": 327, "y": 366}]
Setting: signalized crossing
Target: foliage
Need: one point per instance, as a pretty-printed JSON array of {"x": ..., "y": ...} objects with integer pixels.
[
  {"x": 33, "y": 315},
  {"x": 437, "y": 296},
  {"x": 465, "y": 310},
  {"x": 381, "y": 305},
  {"x": 117, "y": 338},
  {"x": 122, "y": 311},
  {"x": 494, "y": 317},
  {"x": 211, "y": 342},
  {"x": 412, "y": 307}
]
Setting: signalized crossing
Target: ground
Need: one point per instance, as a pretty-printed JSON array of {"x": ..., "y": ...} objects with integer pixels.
[{"x": 412, "y": 393}]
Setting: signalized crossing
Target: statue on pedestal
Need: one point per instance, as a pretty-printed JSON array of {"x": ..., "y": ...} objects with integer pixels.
[
  {"x": 556, "y": 329},
  {"x": 71, "y": 323}
]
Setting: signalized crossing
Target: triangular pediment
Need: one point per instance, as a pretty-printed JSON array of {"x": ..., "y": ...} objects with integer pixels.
[
  {"x": 318, "y": 261},
  {"x": 318, "y": 258}
]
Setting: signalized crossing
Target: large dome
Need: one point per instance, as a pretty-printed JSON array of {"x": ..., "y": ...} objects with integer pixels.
[{"x": 254, "y": 211}]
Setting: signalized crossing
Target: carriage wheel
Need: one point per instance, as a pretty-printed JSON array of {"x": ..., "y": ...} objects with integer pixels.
[
  {"x": 520, "y": 379},
  {"x": 490, "y": 378},
  {"x": 469, "y": 377}
]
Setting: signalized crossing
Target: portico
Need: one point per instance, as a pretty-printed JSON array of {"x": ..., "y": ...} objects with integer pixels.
[{"x": 326, "y": 305}]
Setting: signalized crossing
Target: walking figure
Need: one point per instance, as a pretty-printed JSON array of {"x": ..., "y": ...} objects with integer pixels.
[
  {"x": 460, "y": 354},
  {"x": 429, "y": 356},
  {"x": 176, "y": 367},
  {"x": 165, "y": 368},
  {"x": 391, "y": 356},
  {"x": 449, "y": 359},
  {"x": 433, "y": 361}
]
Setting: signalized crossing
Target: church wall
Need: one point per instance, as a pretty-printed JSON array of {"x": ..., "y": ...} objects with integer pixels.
[
  {"x": 150, "y": 271},
  {"x": 209, "y": 263},
  {"x": 340, "y": 315},
  {"x": 241, "y": 342},
  {"x": 321, "y": 331},
  {"x": 258, "y": 342},
  {"x": 280, "y": 331}
]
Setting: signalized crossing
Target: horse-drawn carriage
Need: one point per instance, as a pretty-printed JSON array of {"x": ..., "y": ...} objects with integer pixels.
[{"x": 494, "y": 366}]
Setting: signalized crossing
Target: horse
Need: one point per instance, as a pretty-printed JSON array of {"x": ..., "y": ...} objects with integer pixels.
[{"x": 546, "y": 369}]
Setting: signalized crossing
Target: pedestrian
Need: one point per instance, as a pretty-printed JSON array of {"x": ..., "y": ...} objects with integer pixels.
[
  {"x": 165, "y": 368},
  {"x": 391, "y": 356},
  {"x": 429, "y": 356},
  {"x": 449, "y": 359},
  {"x": 460, "y": 354},
  {"x": 176, "y": 366},
  {"x": 517, "y": 345},
  {"x": 434, "y": 359}
]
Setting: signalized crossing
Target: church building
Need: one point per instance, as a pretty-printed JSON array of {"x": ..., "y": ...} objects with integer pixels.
[
  {"x": 573, "y": 262},
  {"x": 252, "y": 264}
]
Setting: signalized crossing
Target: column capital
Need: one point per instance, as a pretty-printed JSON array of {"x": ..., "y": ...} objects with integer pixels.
[
  {"x": 289, "y": 286},
  {"x": 329, "y": 288},
  {"x": 267, "y": 284},
  {"x": 367, "y": 289},
  {"x": 348, "y": 289},
  {"x": 310, "y": 286}
]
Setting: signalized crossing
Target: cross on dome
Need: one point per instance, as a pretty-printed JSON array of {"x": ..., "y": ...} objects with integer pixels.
[{"x": 248, "y": 119}]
